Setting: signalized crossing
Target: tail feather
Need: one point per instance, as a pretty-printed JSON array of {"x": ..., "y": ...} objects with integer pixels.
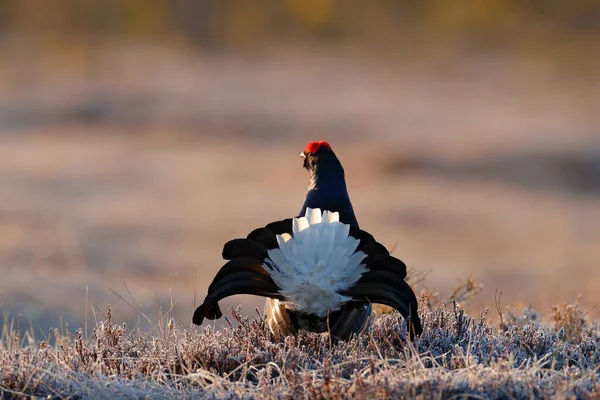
[
  {"x": 386, "y": 288},
  {"x": 364, "y": 236},
  {"x": 264, "y": 237},
  {"x": 374, "y": 249},
  {"x": 244, "y": 274},
  {"x": 354, "y": 318},
  {"x": 237, "y": 265},
  {"x": 244, "y": 248},
  {"x": 244, "y": 282},
  {"x": 239, "y": 276},
  {"x": 210, "y": 311},
  {"x": 386, "y": 263},
  {"x": 281, "y": 227}
]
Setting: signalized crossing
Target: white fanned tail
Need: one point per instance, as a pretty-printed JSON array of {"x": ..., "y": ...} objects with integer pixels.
[{"x": 316, "y": 262}]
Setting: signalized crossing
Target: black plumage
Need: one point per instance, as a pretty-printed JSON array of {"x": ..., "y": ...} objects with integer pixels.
[{"x": 244, "y": 273}]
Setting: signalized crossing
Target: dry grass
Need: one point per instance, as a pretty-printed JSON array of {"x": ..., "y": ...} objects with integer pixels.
[{"x": 457, "y": 355}]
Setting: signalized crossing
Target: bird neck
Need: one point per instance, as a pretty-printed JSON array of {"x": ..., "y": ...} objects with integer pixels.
[
  {"x": 327, "y": 191},
  {"x": 329, "y": 178}
]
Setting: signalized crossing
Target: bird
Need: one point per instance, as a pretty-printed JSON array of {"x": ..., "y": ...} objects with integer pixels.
[
  {"x": 326, "y": 190},
  {"x": 319, "y": 271}
]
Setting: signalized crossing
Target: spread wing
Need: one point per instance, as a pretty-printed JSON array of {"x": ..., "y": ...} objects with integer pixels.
[
  {"x": 244, "y": 273},
  {"x": 383, "y": 282}
]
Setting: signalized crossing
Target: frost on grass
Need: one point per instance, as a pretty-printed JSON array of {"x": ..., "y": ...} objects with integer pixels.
[{"x": 457, "y": 355}]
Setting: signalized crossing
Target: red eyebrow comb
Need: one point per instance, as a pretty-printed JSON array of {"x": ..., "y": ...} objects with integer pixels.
[{"x": 313, "y": 147}]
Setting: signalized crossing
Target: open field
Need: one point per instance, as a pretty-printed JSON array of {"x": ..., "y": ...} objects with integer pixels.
[
  {"x": 122, "y": 176},
  {"x": 149, "y": 216},
  {"x": 129, "y": 176}
]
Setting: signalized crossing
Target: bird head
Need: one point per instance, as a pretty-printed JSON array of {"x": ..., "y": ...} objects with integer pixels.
[{"x": 316, "y": 153}]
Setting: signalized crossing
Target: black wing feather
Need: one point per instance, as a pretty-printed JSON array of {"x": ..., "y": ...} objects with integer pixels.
[
  {"x": 244, "y": 248},
  {"x": 281, "y": 227},
  {"x": 264, "y": 237},
  {"x": 242, "y": 275},
  {"x": 387, "y": 288},
  {"x": 386, "y": 263}
]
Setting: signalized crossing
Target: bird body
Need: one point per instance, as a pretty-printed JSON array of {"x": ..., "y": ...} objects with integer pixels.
[{"x": 319, "y": 271}]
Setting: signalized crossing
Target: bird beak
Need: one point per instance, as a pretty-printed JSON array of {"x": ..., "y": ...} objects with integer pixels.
[{"x": 303, "y": 155}]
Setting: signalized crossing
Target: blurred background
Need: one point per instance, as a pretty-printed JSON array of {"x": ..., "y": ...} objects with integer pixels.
[{"x": 138, "y": 136}]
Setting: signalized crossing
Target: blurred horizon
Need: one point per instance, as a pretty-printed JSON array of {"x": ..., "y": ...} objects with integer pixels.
[
  {"x": 136, "y": 137},
  {"x": 433, "y": 26}
]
